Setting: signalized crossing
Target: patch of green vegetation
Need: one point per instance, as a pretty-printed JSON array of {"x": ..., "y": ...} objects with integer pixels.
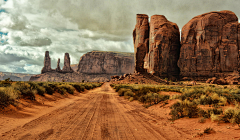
[
  {"x": 11, "y": 91},
  {"x": 190, "y": 99}
]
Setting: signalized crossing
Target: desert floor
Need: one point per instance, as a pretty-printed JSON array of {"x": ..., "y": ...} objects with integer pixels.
[{"x": 101, "y": 114}]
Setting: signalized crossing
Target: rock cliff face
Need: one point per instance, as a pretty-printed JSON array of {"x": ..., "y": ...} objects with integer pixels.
[
  {"x": 47, "y": 63},
  {"x": 141, "y": 41},
  {"x": 66, "y": 67},
  {"x": 164, "y": 47},
  {"x": 156, "y": 50},
  {"x": 210, "y": 45},
  {"x": 112, "y": 63}
]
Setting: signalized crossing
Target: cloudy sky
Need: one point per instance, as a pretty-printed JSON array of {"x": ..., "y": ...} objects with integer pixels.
[{"x": 30, "y": 27}]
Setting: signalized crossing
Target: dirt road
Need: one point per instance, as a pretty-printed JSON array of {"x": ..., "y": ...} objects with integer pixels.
[{"x": 98, "y": 114}]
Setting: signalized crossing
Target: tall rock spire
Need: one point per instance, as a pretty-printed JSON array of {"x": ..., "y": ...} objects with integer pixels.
[
  {"x": 140, "y": 39},
  {"x": 67, "y": 68},
  {"x": 47, "y": 63}
]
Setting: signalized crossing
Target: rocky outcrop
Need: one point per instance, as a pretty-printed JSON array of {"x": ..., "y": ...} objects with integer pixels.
[
  {"x": 156, "y": 50},
  {"x": 210, "y": 45},
  {"x": 164, "y": 47},
  {"x": 141, "y": 41},
  {"x": 47, "y": 63},
  {"x": 58, "y": 69},
  {"x": 67, "y": 68},
  {"x": 111, "y": 63}
]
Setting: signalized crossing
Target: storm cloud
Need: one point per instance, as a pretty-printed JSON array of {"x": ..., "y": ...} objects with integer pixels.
[{"x": 30, "y": 27}]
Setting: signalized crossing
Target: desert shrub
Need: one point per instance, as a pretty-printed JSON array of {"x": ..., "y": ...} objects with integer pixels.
[
  {"x": 37, "y": 86},
  {"x": 49, "y": 89},
  {"x": 228, "y": 115},
  {"x": 142, "y": 91},
  {"x": 232, "y": 116},
  {"x": 6, "y": 83},
  {"x": 236, "y": 117},
  {"x": 174, "y": 97},
  {"x": 88, "y": 86},
  {"x": 128, "y": 93},
  {"x": 68, "y": 88},
  {"x": 122, "y": 91},
  {"x": 62, "y": 90},
  {"x": 41, "y": 90},
  {"x": 8, "y": 96},
  {"x": 78, "y": 87},
  {"x": 25, "y": 90},
  {"x": 184, "y": 109},
  {"x": 207, "y": 113},
  {"x": 208, "y": 130},
  {"x": 131, "y": 99}
]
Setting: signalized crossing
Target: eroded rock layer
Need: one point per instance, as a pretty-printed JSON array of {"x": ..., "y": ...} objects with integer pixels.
[{"x": 210, "y": 45}]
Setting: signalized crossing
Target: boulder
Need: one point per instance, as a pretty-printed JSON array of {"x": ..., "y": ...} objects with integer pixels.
[
  {"x": 115, "y": 77},
  {"x": 164, "y": 47},
  {"x": 47, "y": 63},
  {"x": 221, "y": 81},
  {"x": 67, "y": 68},
  {"x": 209, "y": 45},
  {"x": 140, "y": 39},
  {"x": 211, "y": 80}
]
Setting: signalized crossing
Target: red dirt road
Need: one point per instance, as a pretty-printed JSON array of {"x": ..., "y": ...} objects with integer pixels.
[{"x": 98, "y": 114}]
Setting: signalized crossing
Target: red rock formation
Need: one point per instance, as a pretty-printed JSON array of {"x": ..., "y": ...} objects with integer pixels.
[
  {"x": 58, "y": 69},
  {"x": 164, "y": 47},
  {"x": 210, "y": 45},
  {"x": 67, "y": 68},
  {"x": 47, "y": 63},
  {"x": 140, "y": 39}
]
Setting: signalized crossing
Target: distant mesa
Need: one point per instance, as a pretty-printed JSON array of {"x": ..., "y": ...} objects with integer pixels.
[
  {"x": 210, "y": 46},
  {"x": 95, "y": 66}
]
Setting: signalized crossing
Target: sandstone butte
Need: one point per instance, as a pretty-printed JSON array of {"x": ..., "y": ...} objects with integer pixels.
[
  {"x": 209, "y": 46},
  {"x": 156, "y": 50},
  {"x": 111, "y": 63}
]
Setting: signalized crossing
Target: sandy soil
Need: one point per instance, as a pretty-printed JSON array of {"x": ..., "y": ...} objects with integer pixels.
[{"x": 102, "y": 114}]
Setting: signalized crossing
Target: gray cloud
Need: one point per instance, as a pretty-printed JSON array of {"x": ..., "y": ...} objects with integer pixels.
[{"x": 118, "y": 17}]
